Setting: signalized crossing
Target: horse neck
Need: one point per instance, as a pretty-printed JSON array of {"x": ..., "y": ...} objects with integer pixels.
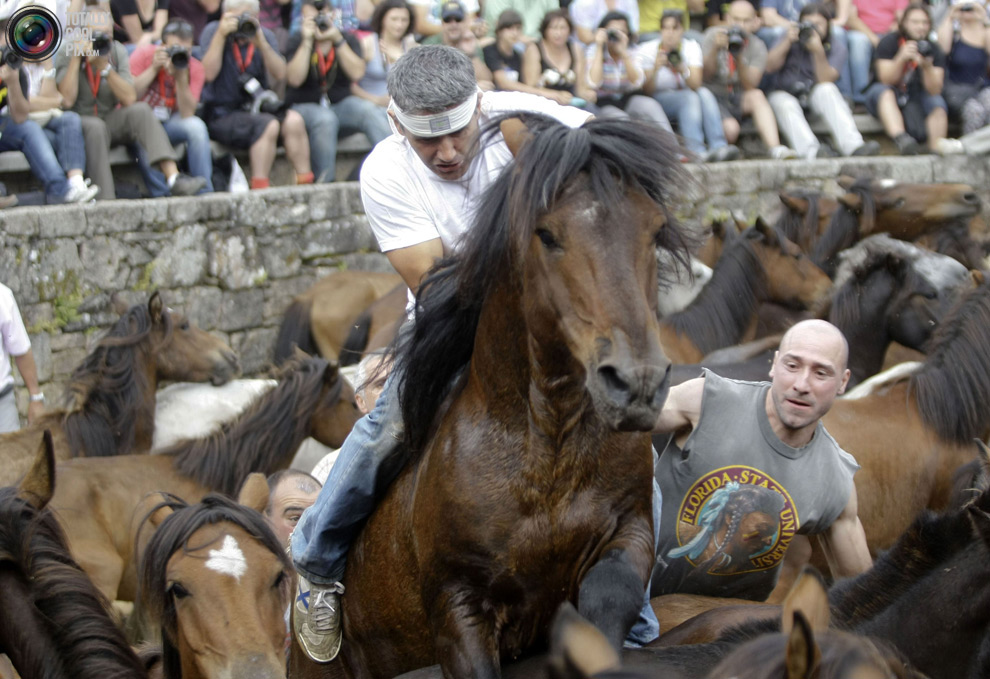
[
  {"x": 842, "y": 232},
  {"x": 23, "y": 635},
  {"x": 868, "y": 341}
]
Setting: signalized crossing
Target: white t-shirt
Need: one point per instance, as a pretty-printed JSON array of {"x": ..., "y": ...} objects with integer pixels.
[
  {"x": 666, "y": 78},
  {"x": 15, "y": 340},
  {"x": 407, "y": 204},
  {"x": 588, "y": 13}
]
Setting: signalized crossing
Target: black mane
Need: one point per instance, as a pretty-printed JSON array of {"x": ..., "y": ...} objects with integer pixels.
[
  {"x": 617, "y": 156},
  {"x": 844, "y": 228},
  {"x": 801, "y": 229},
  {"x": 87, "y": 643},
  {"x": 108, "y": 387}
]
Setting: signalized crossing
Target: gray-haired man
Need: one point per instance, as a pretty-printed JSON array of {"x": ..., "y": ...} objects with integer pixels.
[{"x": 418, "y": 188}]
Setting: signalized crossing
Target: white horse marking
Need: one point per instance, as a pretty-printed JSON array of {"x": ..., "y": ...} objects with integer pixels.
[
  {"x": 887, "y": 183},
  {"x": 229, "y": 559}
]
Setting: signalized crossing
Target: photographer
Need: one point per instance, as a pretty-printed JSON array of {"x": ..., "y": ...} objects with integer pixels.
[
  {"x": 100, "y": 89},
  {"x": 673, "y": 70},
  {"x": 907, "y": 91},
  {"x": 170, "y": 81},
  {"x": 734, "y": 60},
  {"x": 239, "y": 63},
  {"x": 324, "y": 62},
  {"x": 806, "y": 67}
]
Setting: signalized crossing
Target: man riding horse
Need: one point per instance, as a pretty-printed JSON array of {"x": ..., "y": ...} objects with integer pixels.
[{"x": 418, "y": 188}]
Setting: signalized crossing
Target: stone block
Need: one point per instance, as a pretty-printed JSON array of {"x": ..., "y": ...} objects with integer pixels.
[
  {"x": 339, "y": 236},
  {"x": 22, "y": 221},
  {"x": 281, "y": 258},
  {"x": 241, "y": 310},
  {"x": 181, "y": 262},
  {"x": 235, "y": 261},
  {"x": 61, "y": 341},
  {"x": 36, "y": 315},
  {"x": 187, "y": 210},
  {"x": 961, "y": 170},
  {"x": 254, "y": 347},
  {"x": 279, "y": 294},
  {"x": 102, "y": 260},
  {"x": 745, "y": 176},
  {"x": 813, "y": 169},
  {"x": 366, "y": 261},
  {"x": 154, "y": 214},
  {"x": 203, "y": 306},
  {"x": 65, "y": 362},
  {"x": 59, "y": 268},
  {"x": 117, "y": 216},
  {"x": 62, "y": 221},
  {"x": 250, "y": 210},
  {"x": 773, "y": 176}
]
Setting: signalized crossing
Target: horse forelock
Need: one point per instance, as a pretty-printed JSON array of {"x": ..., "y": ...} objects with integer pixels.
[
  {"x": 259, "y": 438},
  {"x": 613, "y": 157},
  {"x": 854, "y": 274},
  {"x": 953, "y": 387},
  {"x": 87, "y": 641}
]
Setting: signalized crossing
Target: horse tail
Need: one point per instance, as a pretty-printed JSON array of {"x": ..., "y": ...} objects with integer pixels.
[
  {"x": 357, "y": 340},
  {"x": 295, "y": 331}
]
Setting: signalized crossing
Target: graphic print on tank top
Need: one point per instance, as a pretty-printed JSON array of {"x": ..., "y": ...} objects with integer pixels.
[{"x": 734, "y": 520}]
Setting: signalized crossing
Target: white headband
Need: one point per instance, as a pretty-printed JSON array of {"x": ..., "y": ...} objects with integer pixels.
[{"x": 436, "y": 124}]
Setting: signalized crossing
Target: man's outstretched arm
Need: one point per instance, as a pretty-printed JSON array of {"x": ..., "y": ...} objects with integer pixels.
[
  {"x": 682, "y": 408},
  {"x": 844, "y": 543}
]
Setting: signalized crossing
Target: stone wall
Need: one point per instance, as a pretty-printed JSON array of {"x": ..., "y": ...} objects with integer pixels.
[{"x": 233, "y": 262}]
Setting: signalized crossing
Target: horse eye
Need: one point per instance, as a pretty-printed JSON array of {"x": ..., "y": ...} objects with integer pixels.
[
  {"x": 184, "y": 326},
  {"x": 177, "y": 591},
  {"x": 547, "y": 239},
  {"x": 279, "y": 579}
]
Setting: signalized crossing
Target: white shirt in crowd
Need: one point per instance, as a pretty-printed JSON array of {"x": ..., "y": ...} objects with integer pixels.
[
  {"x": 667, "y": 78},
  {"x": 14, "y": 340}
]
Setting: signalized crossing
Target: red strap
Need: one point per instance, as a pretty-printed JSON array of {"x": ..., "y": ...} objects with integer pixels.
[
  {"x": 94, "y": 84},
  {"x": 169, "y": 101},
  {"x": 732, "y": 69},
  {"x": 243, "y": 63},
  {"x": 908, "y": 67},
  {"x": 324, "y": 65}
]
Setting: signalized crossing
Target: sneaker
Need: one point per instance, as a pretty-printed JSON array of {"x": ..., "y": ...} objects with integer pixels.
[
  {"x": 80, "y": 194},
  {"x": 781, "y": 152},
  {"x": 316, "y": 619},
  {"x": 907, "y": 145},
  {"x": 869, "y": 148},
  {"x": 722, "y": 154},
  {"x": 949, "y": 147},
  {"x": 187, "y": 186},
  {"x": 826, "y": 151}
]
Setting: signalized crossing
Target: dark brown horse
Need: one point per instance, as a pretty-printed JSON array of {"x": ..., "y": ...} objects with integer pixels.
[
  {"x": 53, "y": 621},
  {"x": 109, "y": 403},
  {"x": 530, "y": 479},
  {"x": 99, "y": 501}
]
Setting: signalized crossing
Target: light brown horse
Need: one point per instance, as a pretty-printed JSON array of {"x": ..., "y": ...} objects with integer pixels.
[
  {"x": 100, "y": 502},
  {"x": 109, "y": 404},
  {"x": 760, "y": 265},
  {"x": 319, "y": 320},
  {"x": 217, "y": 580}
]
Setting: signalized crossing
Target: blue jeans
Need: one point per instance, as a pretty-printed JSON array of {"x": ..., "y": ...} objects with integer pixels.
[
  {"x": 323, "y": 128},
  {"x": 191, "y": 131},
  {"x": 326, "y": 530},
  {"x": 697, "y": 115},
  {"x": 360, "y": 115},
  {"x": 854, "y": 78},
  {"x": 64, "y": 133},
  {"x": 30, "y": 139}
]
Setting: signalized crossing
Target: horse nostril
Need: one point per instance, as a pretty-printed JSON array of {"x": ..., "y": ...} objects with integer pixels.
[
  {"x": 970, "y": 198},
  {"x": 616, "y": 387}
]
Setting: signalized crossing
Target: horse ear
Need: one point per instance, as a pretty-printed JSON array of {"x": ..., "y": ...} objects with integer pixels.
[
  {"x": 38, "y": 485},
  {"x": 977, "y": 277},
  {"x": 809, "y": 599},
  {"x": 853, "y": 201},
  {"x": 156, "y": 307},
  {"x": 515, "y": 133},
  {"x": 796, "y": 203},
  {"x": 577, "y": 648},
  {"x": 803, "y": 654},
  {"x": 254, "y": 492},
  {"x": 765, "y": 230},
  {"x": 332, "y": 372}
]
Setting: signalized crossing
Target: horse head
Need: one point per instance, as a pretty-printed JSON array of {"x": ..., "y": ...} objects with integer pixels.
[
  {"x": 216, "y": 578},
  {"x": 907, "y": 210},
  {"x": 186, "y": 353},
  {"x": 792, "y": 278},
  {"x": 806, "y": 216},
  {"x": 335, "y": 414}
]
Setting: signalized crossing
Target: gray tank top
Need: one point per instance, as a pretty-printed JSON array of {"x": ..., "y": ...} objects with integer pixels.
[{"x": 735, "y": 495}]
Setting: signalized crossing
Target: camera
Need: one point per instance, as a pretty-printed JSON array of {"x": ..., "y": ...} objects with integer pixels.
[
  {"x": 805, "y": 30},
  {"x": 247, "y": 26},
  {"x": 736, "y": 40},
  {"x": 613, "y": 35},
  {"x": 674, "y": 58},
  {"x": 323, "y": 22},
  {"x": 800, "y": 91},
  {"x": 102, "y": 43},
  {"x": 261, "y": 100},
  {"x": 179, "y": 56},
  {"x": 925, "y": 48},
  {"x": 10, "y": 57}
]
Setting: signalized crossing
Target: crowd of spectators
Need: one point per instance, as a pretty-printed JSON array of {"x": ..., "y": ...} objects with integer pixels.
[{"x": 257, "y": 75}]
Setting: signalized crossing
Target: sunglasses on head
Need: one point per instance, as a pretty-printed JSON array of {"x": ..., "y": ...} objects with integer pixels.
[{"x": 453, "y": 17}]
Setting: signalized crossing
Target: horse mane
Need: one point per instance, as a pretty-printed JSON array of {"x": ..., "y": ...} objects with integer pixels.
[
  {"x": 844, "y": 227},
  {"x": 89, "y": 644},
  {"x": 106, "y": 388},
  {"x": 846, "y": 304},
  {"x": 801, "y": 228},
  {"x": 615, "y": 155},
  {"x": 727, "y": 302},
  {"x": 263, "y": 437},
  {"x": 172, "y": 535},
  {"x": 953, "y": 387}
]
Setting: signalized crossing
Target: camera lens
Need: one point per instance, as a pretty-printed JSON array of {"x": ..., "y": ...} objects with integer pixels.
[
  {"x": 34, "y": 33},
  {"x": 180, "y": 59}
]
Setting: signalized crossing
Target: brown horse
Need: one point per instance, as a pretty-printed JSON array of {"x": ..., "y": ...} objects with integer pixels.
[
  {"x": 376, "y": 326},
  {"x": 218, "y": 581},
  {"x": 806, "y": 216},
  {"x": 546, "y": 319},
  {"x": 109, "y": 404},
  {"x": 319, "y": 320},
  {"x": 99, "y": 501},
  {"x": 760, "y": 265},
  {"x": 53, "y": 621}
]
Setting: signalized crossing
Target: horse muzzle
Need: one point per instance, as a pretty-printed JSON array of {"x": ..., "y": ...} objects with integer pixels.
[
  {"x": 226, "y": 368},
  {"x": 630, "y": 398}
]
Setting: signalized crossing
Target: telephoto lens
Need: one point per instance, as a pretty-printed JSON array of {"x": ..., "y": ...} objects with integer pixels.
[
  {"x": 102, "y": 43},
  {"x": 9, "y": 57},
  {"x": 179, "y": 56}
]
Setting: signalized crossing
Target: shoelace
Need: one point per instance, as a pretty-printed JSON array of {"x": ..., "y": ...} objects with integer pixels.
[{"x": 323, "y": 614}]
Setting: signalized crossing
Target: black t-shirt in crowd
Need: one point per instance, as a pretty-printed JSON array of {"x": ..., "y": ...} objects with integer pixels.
[
  {"x": 122, "y": 8},
  {"x": 225, "y": 93},
  {"x": 911, "y": 78},
  {"x": 335, "y": 82},
  {"x": 496, "y": 61}
]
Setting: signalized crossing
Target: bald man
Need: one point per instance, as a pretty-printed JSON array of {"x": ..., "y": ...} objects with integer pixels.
[
  {"x": 290, "y": 493},
  {"x": 750, "y": 468}
]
